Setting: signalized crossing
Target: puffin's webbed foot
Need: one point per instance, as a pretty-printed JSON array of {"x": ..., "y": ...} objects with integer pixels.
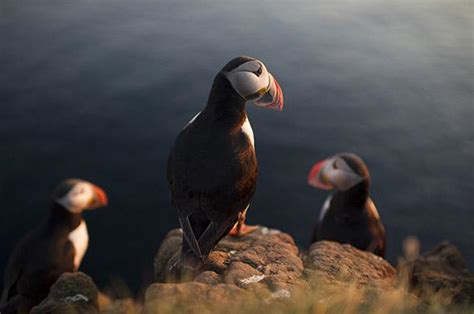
[{"x": 240, "y": 229}]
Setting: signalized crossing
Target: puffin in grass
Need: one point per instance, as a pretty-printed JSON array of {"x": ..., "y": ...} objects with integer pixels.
[
  {"x": 348, "y": 215},
  {"x": 55, "y": 246},
  {"x": 212, "y": 167}
]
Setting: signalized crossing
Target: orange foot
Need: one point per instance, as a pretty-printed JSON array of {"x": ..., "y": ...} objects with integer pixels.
[{"x": 240, "y": 230}]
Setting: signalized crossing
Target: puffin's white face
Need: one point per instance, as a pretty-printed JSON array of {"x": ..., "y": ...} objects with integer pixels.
[
  {"x": 333, "y": 173},
  {"x": 252, "y": 81},
  {"x": 83, "y": 196}
]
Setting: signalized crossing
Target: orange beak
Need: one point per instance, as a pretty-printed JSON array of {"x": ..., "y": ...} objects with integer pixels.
[
  {"x": 316, "y": 177},
  {"x": 100, "y": 198}
]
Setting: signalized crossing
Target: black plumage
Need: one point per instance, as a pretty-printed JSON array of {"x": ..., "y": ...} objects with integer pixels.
[
  {"x": 38, "y": 260},
  {"x": 49, "y": 249},
  {"x": 212, "y": 169},
  {"x": 351, "y": 216}
]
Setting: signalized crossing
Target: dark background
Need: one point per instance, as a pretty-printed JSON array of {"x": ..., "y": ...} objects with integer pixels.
[{"x": 100, "y": 89}]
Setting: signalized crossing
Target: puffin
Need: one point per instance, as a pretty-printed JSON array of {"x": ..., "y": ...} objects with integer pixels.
[
  {"x": 212, "y": 167},
  {"x": 55, "y": 246},
  {"x": 348, "y": 215}
]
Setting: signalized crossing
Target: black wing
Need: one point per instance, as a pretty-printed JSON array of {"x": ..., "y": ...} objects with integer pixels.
[
  {"x": 34, "y": 265},
  {"x": 212, "y": 176}
]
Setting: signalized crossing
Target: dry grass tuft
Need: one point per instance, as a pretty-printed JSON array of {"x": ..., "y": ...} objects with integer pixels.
[{"x": 341, "y": 298}]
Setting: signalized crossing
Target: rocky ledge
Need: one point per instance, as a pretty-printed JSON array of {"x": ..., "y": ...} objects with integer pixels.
[
  {"x": 266, "y": 259},
  {"x": 330, "y": 263},
  {"x": 266, "y": 265},
  {"x": 266, "y": 272}
]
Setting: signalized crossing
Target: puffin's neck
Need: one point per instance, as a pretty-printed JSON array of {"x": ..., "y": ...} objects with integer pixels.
[
  {"x": 62, "y": 218},
  {"x": 355, "y": 197},
  {"x": 224, "y": 106}
]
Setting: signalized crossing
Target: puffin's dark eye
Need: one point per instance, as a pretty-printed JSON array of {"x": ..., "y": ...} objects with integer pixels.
[
  {"x": 259, "y": 71},
  {"x": 334, "y": 165}
]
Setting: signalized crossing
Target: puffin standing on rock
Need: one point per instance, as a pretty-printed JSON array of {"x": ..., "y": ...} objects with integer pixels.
[
  {"x": 348, "y": 215},
  {"x": 212, "y": 168},
  {"x": 55, "y": 246}
]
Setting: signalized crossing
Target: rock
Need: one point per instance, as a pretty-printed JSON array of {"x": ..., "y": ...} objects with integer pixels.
[
  {"x": 330, "y": 262},
  {"x": 442, "y": 270},
  {"x": 72, "y": 293},
  {"x": 263, "y": 265},
  {"x": 208, "y": 277},
  {"x": 163, "y": 260},
  {"x": 264, "y": 272},
  {"x": 266, "y": 259},
  {"x": 263, "y": 269}
]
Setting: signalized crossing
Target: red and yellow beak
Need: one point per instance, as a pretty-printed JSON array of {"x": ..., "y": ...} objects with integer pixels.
[
  {"x": 277, "y": 102},
  {"x": 273, "y": 98},
  {"x": 318, "y": 178},
  {"x": 100, "y": 198}
]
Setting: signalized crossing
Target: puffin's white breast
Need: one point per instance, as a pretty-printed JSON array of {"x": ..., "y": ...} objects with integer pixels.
[
  {"x": 247, "y": 129},
  {"x": 80, "y": 240},
  {"x": 325, "y": 208}
]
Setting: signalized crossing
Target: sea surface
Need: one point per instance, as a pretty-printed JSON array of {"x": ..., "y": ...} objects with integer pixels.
[{"x": 100, "y": 89}]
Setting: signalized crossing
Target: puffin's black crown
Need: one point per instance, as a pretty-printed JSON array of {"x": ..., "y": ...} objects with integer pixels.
[
  {"x": 236, "y": 62},
  {"x": 64, "y": 187},
  {"x": 356, "y": 163}
]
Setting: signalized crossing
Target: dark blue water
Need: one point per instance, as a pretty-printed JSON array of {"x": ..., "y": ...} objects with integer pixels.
[{"x": 100, "y": 89}]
